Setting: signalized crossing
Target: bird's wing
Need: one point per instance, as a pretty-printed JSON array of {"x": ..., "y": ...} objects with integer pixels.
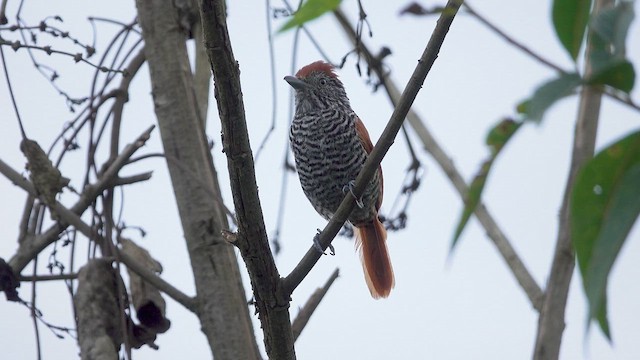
[{"x": 365, "y": 139}]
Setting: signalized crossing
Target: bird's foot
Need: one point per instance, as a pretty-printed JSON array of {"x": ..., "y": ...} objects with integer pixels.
[
  {"x": 349, "y": 188},
  {"x": 317, "y": 246}
]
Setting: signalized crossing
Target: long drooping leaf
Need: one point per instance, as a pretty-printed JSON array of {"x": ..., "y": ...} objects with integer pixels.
[
  {"x": 570, "y": 19},
  {"x": 310, "y": 10},
  {"x": 609, "y": 29},
  {"x": 612, "y": 26},
  {"x": 605, "y": 204},
  {"x": 497, "y": 138}
]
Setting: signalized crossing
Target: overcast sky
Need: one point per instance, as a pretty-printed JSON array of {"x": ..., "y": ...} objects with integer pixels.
[{"x": 464, "y": 305}]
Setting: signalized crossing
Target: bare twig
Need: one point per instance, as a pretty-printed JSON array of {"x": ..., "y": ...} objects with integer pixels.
[
  {"x": 119, "y": 181},
  {"x": 48, "y": 277},
  {"x": 624, "y": 99},
  {"x": 511, "y": 40},
  {"x": 306, "y": 31},
  {"x": 519, "y": 270},
  {"x": 612, "y": 93},
  {"x": 77, "y": 57},
  {"x": 34, "y": 315},
  {"x": 311, "y": 305},
  {"x": 551, "y": 320},
  {"x": 13, "y": 99},
  {"x": 382, "y": 146},
  {"x": 274, "y": 87},
  {"x": 122, "y": 97},
  {"x": 286, "y": 163}
]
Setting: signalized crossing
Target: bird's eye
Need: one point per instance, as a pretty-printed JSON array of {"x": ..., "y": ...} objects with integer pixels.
[{"x": 323, "y": 82}]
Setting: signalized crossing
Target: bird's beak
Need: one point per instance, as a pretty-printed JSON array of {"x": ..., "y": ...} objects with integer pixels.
[{"x": 295, "y": 82}]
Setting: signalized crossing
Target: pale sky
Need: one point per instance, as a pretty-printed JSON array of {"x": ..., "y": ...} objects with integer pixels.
[{"x": 461, "y": 306}]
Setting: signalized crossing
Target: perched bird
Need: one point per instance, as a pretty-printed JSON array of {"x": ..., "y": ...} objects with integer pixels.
[{"x": 330, "y": 145}]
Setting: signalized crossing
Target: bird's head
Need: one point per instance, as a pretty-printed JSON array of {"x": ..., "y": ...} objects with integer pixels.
[{"x": 317, "y": 87}]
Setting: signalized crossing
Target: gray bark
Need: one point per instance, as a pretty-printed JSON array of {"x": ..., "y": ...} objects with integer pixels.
[
  {"x": 551, "y": 321},
  {"x": 98, "y": 311},
  {"x": 221, "y": 302}
]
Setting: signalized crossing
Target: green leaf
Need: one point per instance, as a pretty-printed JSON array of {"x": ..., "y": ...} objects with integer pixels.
[
  {"x": 605, "y": 203},
  {"x": 619, "y": 75},
  {"x": 609, "y": 29},
  {"x": 570, "y": 19},
  {"x": 310, "y": 10},
  {"x": 548, "y": 93},
  {"x": 497, "y": 138},
  {"x": 612, "y": 26}
]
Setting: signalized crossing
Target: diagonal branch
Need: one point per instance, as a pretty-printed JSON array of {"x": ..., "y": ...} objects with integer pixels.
[
  {"x": 519, "y": 270},
  {"x": 311, "y": 305},
  {"x": 29, "y": 250},
  {"x": 382, "y": 146},
  {"x": 71, "y": 218}
]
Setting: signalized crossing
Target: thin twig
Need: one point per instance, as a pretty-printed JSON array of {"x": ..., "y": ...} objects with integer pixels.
[
  {"x": 71, "y": 276},
  {"x": 306, "y": 31},
  {"x": 311, "y": 305},
  {"x": 119, "y": 181},
  {"x": 511, "y": 40},
  {"x": 122, "y": 97},
  {"x": 286, "y": 165},
  {"x": 34, "y": 315},
  {"x": 78, "y": 57},
  {"x": 425, "y": 63},
  {"x": 624, "y": 99},
  {"x": 274, "y": 87},
  {"x": 615, "y": 95},
  {"x": 13, "y": 98}
]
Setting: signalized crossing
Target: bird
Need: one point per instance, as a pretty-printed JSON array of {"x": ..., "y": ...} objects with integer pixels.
[{"x": 330, "y": 145}]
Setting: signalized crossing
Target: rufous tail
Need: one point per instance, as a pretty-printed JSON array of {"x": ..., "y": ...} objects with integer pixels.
[{"x": 371, "y": 240}]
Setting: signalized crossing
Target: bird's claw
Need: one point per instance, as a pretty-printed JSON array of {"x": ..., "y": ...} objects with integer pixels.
[
  {"x": 349, "y": 188},
  {"x": 317, "y": 246}
]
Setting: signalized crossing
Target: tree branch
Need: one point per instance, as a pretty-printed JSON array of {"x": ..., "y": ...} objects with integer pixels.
[
  {"x": 271, "y": 303},
  {"x": 311, "y": 305},
  {"x": 511, "y": 40},
  {"x": 28, "y": 250},
  {"x": 48, "y": 277},
  {"x": 224, "y": 317},
  {"x": 551, "y": 321},
  {"x": 519, "y": 270},
  {"x": 612, "y": 93},
  {"x": 382, "y": 146},
  {"x": 127, "y": 180},
  {"x": 69, "y": 217}
]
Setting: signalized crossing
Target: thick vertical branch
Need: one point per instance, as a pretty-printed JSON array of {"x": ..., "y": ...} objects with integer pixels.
[
  {"x": 221, "y": 302},
  {"x": 551, "y": 321},
  {"x": 272, "y": 305}
]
